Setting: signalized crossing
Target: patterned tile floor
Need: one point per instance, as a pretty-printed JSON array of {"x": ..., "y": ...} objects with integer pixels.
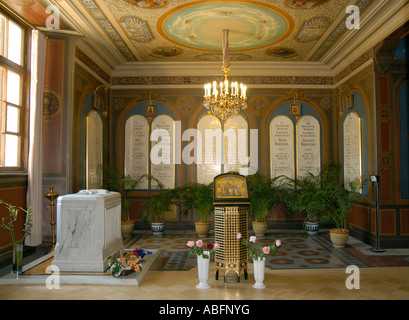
[
  {"x": 307, "y": 268},
  {"x": 298, "y": 251}
]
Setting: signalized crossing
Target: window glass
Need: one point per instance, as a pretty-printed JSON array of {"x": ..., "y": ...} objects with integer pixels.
[
  {"x": 15, "y": 43},
  {"x": 2, "y": 83},
  {"x": 12, "y": 104},
  {"x": 3, "y": 37},
  {"x": 13, "y": 88},
  {"x": 13, "y": 114},
  {"x": 11, "y": 150},
  {"x": 2, "y": 117}
]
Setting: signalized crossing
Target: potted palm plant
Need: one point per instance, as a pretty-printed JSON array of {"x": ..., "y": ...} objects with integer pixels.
[
  {"x": 338, "y": 207},
  {"x": 197, "y": 196},
  {"x": 264, "y": 194},
  {"x": 308, "y": 197},
  {"x": 113, "y": 181},
  {"x": 155, "y": 208}
]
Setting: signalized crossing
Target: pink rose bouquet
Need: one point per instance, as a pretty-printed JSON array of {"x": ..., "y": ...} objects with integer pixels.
[
  {"x": 257, "y": 251},
  {"x": 198, "y": 248}
]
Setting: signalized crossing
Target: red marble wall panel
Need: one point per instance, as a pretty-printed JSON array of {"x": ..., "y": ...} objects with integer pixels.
[
  {"x": 359, "y": 217},
  {"x": 404, "y": 222},
  {"x": 386, "y": 185},
  {"x": 387, "y": 222},
  {"x": 385, "y": 137},
  {"x": 384, "y": 90}
]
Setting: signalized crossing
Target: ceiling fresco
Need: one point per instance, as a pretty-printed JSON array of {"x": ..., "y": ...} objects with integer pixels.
[
  {"x": 186, "y": 30},
  {"x": 164, "y": 30},
  {"x": 250, "y": 25}
]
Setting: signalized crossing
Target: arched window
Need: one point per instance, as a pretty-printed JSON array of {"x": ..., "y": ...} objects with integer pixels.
[
  {"x": 163, "y": 151},
  {"x": 149, "y": 145},
  {"x": 282, "y": 147},
  {"x": 94, "y": 150},
  {"x": 235, "y": 143},
  {"x": 209, "y": 166},
  {"x": 137, "y": 149},
  {"x": 295, "y": 140},
  {"x": 91, "y": 149},
  {"x": 308, "y": 146},
  {"x": 354, "y": 146},
  {"x": 224, "y": 146}
]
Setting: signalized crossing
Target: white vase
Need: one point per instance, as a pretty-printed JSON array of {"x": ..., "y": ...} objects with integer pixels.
[
  {"x": 259, "y": 266},
  {"x": 203, "y": 271}
]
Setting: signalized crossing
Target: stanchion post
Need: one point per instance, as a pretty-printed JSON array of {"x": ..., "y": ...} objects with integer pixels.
[
  {"x": 52, "y": 195},
  {"x": 375, "y": 181}
]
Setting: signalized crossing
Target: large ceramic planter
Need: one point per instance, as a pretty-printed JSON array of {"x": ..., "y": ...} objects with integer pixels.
[
  {"x": 259, "y": 266},
  {"x": 127, "y": 229},
  {"x": 202, "y": 229},
  {"x": 203, "y": 271},
  {"x": 339, "y": 237},
  {"x": 158, "y": 228},
  {"x": 260, "y": 228},
  {"x": 312, "y": 227}
]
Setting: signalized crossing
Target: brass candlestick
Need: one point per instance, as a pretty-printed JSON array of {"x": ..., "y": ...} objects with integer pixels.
[{"x": 52, "y": 196}]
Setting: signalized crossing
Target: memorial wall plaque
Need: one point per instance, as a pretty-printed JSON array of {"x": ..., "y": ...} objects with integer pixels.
[
  {"x": 94, "y": 151},
  {"x": 235, "y": 143},
  {"x": 164, "y": 171},
  {"x": 136, "y": 149},
  {"x": 209, "y": 167},
  {"x": 282, "y": 147},
  {"x": 352, "y": 149},
  {"x": 308, "y": 146}
]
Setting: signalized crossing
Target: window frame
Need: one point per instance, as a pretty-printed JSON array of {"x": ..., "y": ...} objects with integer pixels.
[{"x": 23, "y": 71}]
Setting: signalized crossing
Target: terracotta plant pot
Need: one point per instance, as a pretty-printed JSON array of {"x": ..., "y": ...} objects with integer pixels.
[
  {"x": 202, "y": 229},
  {"x": 127, "y": 228},
  {"x": 339, "y": 237},
  {"x": 260, "y": 228}
]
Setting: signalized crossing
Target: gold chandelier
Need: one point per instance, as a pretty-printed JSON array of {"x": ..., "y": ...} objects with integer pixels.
[{"x": 230, "y": 100}]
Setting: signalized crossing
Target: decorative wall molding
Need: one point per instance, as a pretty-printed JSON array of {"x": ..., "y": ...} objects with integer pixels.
[{"x": 264, "y": 80}]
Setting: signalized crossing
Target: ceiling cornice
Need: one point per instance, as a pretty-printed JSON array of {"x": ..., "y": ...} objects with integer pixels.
[
  {"x": 94, "y": 45},
  {"x": 254, "y": 68},
  {"x": 373, "y": 30}
]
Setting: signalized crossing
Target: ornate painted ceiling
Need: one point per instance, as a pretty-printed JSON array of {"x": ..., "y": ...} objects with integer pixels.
[
  {"x": 191, "y": 31},
  {"x": 181, "y": 30}
]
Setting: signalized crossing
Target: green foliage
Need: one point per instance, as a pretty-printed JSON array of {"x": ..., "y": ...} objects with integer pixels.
[
  {"x": 196, "y": 196},
  {"x": 322, "y": 196},
  {"x": 198, "y": 248},
  {"x": 257, "y": 252},
  {"x": 155, "y": 208},
  {"x": 264, "y": 193},
  {"x": 13, "y": 215},
  {"x": 113, "y": 181}
]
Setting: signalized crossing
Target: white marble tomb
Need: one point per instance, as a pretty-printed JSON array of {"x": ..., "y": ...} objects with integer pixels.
[{"x": 88, "y": 230}]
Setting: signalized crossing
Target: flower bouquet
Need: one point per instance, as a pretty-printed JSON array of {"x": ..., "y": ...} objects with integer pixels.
[
  {"x": 125, "y": 265},
  {"x": 203, "y": 254},
  {"x": 257, "y": 252},
  {"x": 199, "y": 249}
]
